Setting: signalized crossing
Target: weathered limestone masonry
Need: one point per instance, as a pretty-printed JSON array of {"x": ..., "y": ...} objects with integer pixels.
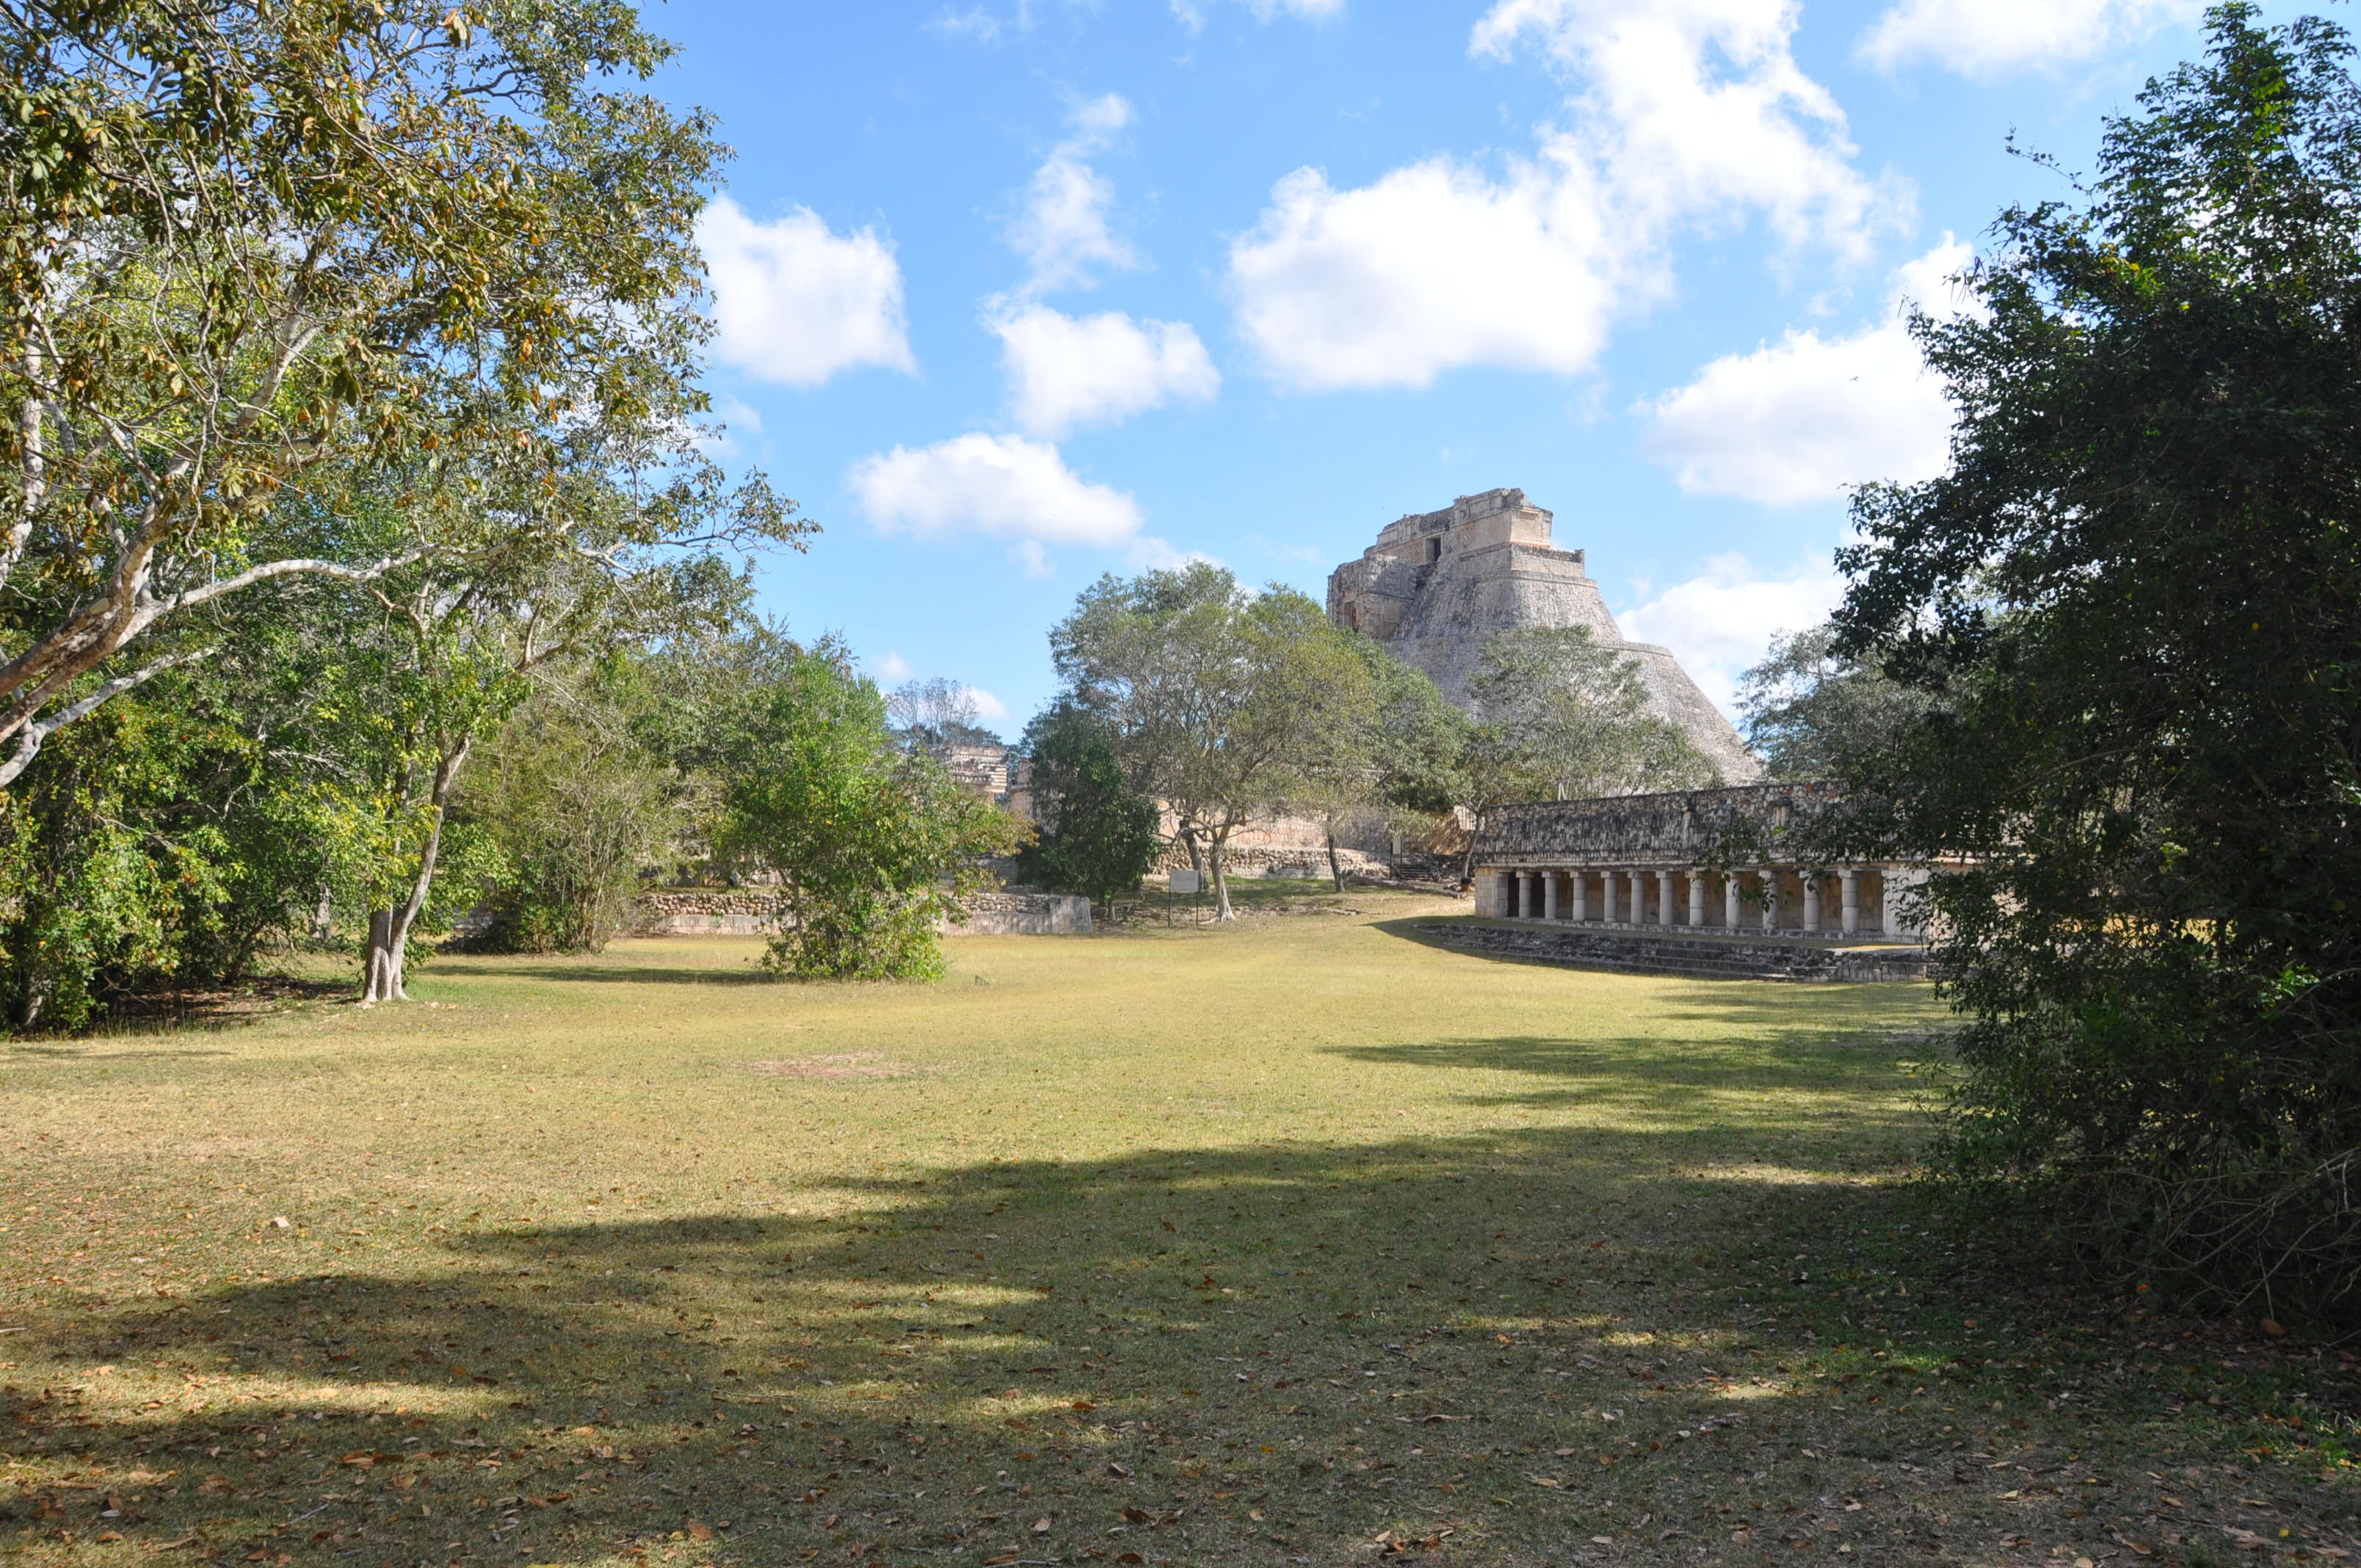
[
  {"x": 1437, "y": 584},
  {"x": 1639, "y": 863},
  {"x": 722, "y": 912}
]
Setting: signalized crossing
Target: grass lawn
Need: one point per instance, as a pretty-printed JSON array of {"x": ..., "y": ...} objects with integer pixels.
[{"x": 1297, "y": 1242}]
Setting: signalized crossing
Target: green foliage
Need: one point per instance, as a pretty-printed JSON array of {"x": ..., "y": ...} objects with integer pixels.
[
  {"x": 575, "y": 803},
  {"x": 1810, "y": 714},
  {"x": 873, "y": 844},
  {"x": 247, "y": 245},
  {"x": 1222, "y": 702},
  {"x": 1562, "y": 718},
  {"x": 1098, "y": 835},
  {"x": 2138, "y": 593}
]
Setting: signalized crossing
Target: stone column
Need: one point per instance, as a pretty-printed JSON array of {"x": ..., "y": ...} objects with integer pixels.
[
  {"x": 1580, "y": 876},
  {"x": 1812, "y": 903},
  {"x": 1849, "y": 887},
  {"x": 1549, "y": 896},
  {"x": 1770, "y": 899},
  {"x": 1697, "y": 898},
  {"x": 1607, "y": 910},
  {"x": 1730, "y": 901},
  {"x": 1665, "y": 899},
  {"x": 1639, "y": 898}
]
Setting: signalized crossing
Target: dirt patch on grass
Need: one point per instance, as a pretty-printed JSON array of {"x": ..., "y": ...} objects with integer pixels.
[{"x": 860, "y": 1064}]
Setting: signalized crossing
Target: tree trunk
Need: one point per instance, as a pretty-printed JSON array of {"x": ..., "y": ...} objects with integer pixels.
[
  {"x": 1189, "y": 842},
  {"x": 1222, "y": 910},
  {"x": 1334, "y": 873},
  {"x": 389, "y": 936}
]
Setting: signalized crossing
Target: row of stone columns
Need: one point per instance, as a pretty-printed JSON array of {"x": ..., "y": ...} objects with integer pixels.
[{"x": 1533, "y": 896}]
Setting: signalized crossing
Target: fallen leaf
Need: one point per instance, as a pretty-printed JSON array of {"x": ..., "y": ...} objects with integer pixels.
[{"x": 1040, "y": 1527}]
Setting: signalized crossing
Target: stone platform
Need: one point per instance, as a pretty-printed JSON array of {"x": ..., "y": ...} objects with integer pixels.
[{"x": 1693, "y": 958}]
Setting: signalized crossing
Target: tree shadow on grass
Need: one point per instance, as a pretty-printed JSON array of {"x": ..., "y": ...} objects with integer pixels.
[{"x": 1193, "y": 1354}]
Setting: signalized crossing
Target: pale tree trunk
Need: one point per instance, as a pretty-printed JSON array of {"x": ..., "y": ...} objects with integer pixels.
[
  {"x": 1219, "y": 839},
  {"x": 389, "y": 931},
  {"x": 1189, "y": 842},
  {"x": 1334, "y": 874}
]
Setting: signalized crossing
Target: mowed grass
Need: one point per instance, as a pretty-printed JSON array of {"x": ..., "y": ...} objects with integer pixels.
[{"x": 1297, "y": 1242}]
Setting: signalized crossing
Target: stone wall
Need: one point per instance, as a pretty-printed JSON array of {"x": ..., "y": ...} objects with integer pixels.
[
  {"x": 1024, "y": 914},
  {"x": 728, "y": 912},
  {"x": 1437, "y": 586},
  {"x": 1695, "y": 958},
  {"x": 1679, "y": 828}
]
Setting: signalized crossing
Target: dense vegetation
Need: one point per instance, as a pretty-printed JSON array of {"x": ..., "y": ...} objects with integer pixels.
[{"x": 2134, "y": 606}]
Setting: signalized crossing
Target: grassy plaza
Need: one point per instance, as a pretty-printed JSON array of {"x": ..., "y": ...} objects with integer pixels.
[{"x": 1297, "y": 1241}]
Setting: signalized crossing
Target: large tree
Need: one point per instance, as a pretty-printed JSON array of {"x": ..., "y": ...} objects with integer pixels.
[
  {"x": 1810, "y": 713},
  {"x": 1562, "y": 717},
  {"x": 1098, "y": 836},
  {"x": 1221, "y": 698},
  {"x": 1402, "y": 753},
  {"x": 242, "y": 243},
  {"x": 2138, "y": 587}
]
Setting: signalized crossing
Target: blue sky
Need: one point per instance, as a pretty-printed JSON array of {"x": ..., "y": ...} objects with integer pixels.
[{"x": 1013, "y": 293}]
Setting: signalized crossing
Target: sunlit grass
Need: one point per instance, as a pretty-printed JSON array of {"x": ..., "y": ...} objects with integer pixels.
[{"x": 1293, "y": 1242}]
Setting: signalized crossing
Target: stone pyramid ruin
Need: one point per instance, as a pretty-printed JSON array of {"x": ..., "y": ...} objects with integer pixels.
[{"x": 1437, "y": 585}]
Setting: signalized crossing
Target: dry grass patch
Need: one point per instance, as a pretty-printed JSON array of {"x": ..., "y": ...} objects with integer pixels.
[{"x": 1296, "y": 1242}]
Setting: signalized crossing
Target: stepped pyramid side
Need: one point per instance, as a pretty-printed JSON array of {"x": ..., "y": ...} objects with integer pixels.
[{"x": 1437, "y": 584}]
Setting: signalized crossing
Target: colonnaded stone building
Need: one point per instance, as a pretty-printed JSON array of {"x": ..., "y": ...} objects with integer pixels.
[
  {"x": 1734, "y": 861},
  {"x": 1437, "y": 585}
]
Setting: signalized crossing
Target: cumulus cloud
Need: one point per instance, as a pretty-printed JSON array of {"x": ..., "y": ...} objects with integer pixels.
[
  {"x": 987, "y": 705},
  {"x": 1802, "y": 419},
  {"x": 892, "y": 667},
  {"x": 795, "y": 302},
  {"x": 1681, "y": 115},
  {"x": 1062, "y": 231},
  {"x": 1721, "y": 623},
  {"x": 1066, "y": 371},
  {"x": 1001, "y": 487},
  {"x": 1983, "y": 39},
  {"x": 1433, "y": 266}
]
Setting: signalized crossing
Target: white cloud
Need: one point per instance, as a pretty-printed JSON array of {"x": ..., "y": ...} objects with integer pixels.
[
  {"x": 984, "y": 25},
  {"x": 1719, "y": 624},
  {"x": 1062, "y": 232},
  {"x": 1983, "y": 39},
  {"x": 1151, "y": 554},
  {"x": 1802, "y": 419},
  {"x": 1191, "y": 13},
  {"x": 892, "y": 667},
  {"x": 1002, "y": 486},
  {"x": 987, "y": 705},
  {"x": 794, "y": 302},
  {"x": 1682, "y": 115},
  {"x": 1066, "y": 371},
  {"x": 1434, "y": 267}
]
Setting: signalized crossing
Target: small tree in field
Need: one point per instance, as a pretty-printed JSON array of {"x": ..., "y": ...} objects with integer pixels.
[
  {"x": 1220, "y": 699},
  {"x": 1098, "y": 835},
  {"x": 873, "y": 844}
]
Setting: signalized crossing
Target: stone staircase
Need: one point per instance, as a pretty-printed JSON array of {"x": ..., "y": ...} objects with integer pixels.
[{"x": 1693, "y": 957}]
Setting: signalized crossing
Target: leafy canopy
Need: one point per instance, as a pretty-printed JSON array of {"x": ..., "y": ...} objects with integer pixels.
[{"x": 2137, "y": 591}]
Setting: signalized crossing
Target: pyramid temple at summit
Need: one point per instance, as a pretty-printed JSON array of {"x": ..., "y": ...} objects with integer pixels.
[{"x": 1437, "y": 585}]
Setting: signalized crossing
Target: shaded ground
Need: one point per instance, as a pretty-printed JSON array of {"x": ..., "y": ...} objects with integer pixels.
[{"x": 1295, "y": 1243}]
